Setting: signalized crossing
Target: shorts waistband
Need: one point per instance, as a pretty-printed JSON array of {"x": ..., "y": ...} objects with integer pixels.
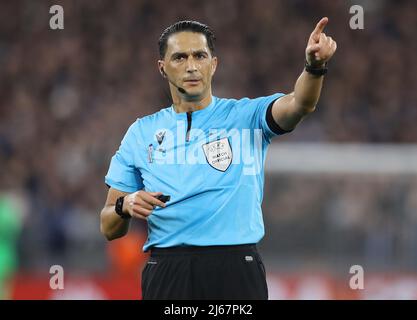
[{"x": 200, "y": 249}]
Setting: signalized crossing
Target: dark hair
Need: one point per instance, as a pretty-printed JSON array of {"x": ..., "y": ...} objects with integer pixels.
[{"x": 187, "y": 25}]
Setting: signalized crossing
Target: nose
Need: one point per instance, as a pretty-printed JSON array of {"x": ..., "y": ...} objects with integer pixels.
[{"x": 191, "y": 66}]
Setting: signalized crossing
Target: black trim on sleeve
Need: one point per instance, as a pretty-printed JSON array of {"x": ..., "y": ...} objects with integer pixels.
[
  {"x": 108, "y": 186},
  {"x": 275, "y": 128}
]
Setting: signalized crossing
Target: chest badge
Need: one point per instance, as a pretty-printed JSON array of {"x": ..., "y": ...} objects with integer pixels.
[
  {"x": 160, "y": 137},
  {"x": 218, "y": 154}
]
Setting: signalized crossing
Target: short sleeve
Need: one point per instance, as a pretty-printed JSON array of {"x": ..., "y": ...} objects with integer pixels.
[
  {"x": 259, "y": 111},
  {"x": 123, "y": 175}
]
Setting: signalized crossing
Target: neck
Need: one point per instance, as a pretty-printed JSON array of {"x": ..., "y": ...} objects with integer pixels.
[{"x": 182, "y": 104}]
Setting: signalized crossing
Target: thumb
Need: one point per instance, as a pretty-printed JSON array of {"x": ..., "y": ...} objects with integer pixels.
[
  {"x": 313, "y": 49},
  {"x": 155, "y": 194}
]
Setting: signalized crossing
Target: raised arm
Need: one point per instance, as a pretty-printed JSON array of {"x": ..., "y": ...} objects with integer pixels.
[{"x": 289, "y": 110}]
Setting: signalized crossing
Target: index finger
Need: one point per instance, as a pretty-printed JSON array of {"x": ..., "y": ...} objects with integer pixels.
[
  {"x": 149, "y": 198},
  {"x": 320, "y": 26}
]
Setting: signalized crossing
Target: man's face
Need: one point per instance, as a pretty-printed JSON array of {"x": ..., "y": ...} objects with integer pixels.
[{"x": 189, "y": 64}]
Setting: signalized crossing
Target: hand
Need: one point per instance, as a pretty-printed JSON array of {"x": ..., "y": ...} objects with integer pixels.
[
  {"x": 320, "y": 48},
  {"x": 140, "y": 204}
]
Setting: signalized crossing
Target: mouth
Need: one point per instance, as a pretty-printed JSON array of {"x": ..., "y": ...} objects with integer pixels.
[{"x": 192, "y": 81}]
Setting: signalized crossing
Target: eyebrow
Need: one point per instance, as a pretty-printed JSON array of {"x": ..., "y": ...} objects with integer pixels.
[{"x": 184, "y": 54}]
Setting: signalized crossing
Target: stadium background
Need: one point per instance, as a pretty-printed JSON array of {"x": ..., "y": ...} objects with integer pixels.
[{"x": 67, "y": 97}]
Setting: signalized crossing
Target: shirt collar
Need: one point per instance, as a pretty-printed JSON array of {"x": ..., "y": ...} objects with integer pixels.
[{"x": 196, "y": 113}]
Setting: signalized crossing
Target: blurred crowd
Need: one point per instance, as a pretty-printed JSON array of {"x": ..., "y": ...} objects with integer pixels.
[
  {"x": 339, "y": 219},
  {"x": 67, "y": 96}
]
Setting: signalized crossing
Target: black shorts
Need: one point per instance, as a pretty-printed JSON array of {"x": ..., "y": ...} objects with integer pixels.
[{"x": 212, "y": 272}]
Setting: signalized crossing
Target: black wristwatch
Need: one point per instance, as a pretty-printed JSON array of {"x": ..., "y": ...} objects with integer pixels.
[
  {"x": 321, "y": 71},
  {"x": 119, "y": 208}
]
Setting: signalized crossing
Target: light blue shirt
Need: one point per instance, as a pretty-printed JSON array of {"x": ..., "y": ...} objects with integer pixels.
[{"x": 211, "y": 164}]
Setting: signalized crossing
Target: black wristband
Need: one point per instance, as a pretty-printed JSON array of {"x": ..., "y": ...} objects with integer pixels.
[
  {"x": 316, "y": 71},
  {"x": 119, "y": 208}
]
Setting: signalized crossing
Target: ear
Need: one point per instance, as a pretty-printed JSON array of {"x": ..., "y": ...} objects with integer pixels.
[
  {"x": 213, "y": 65},
  {"x": 161, "y": 68}
]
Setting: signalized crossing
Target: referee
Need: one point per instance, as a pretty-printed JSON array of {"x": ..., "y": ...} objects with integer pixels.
[{"x": 194, "y": 171}]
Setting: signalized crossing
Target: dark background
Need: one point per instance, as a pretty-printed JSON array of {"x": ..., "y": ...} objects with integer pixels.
[{"x": 67, "y": 97}]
